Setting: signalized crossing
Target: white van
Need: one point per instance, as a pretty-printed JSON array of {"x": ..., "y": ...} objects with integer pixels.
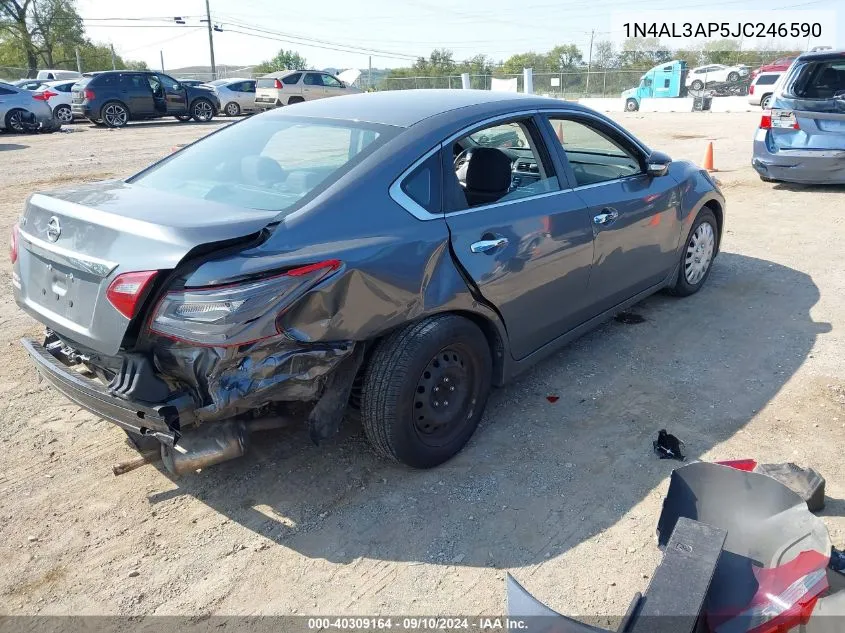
[{"x": 53, "y": 75}]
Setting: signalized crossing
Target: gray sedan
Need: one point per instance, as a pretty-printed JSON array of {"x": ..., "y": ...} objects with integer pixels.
[
  {"x": 24, "y": 111},
  {"x": 237, "y": 96},
  {"x": 390, "y": 256},
  {"x": 802, "y": 138}
]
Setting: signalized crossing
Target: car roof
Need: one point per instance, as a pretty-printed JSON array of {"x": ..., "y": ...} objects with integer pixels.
[
  {"x": 404, "y": 108},
  {"x": 819, "y": 56},
  {"x": 59, "y": 82},
  {"x": 285, "y": 73}
]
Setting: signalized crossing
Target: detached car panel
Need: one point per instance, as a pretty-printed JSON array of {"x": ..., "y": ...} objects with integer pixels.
[{"x": 393, "y": 253}]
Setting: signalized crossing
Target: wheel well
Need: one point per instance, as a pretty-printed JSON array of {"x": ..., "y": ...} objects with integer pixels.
[{"x": 716, "y": 208}]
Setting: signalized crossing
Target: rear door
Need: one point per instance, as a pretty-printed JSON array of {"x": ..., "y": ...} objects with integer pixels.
[
  {"x": 635, "y": 218},
  {"x": 245, "y": 91},
  {"x": 136, "y": 91},
  {"x": 808, "y": 114},
  {"x": 312, "y": 86},
  {"x": 517, "y": 230}
]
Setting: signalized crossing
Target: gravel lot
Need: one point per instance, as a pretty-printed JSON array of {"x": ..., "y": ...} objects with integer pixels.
[{"x": 565, "y": 495}]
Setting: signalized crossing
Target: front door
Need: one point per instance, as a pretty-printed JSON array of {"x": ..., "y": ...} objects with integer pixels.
[
  {"x": 635, "y": 217},
  {"x": 332, "y": 86},
  {"x": 518, "y": 231},
  {"x": 175, "y": 95}
]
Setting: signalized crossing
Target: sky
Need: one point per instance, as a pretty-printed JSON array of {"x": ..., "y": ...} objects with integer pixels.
[{"x": 395, "y": 32}]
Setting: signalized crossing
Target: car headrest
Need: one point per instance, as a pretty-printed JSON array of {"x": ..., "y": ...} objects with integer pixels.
[
  {"x": 489, "y": 170},
  {"x": 261, "y": 170},
  {"x": 829, "y": 77}
]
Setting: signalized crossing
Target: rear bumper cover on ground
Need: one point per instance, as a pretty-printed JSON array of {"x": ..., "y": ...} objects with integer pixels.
[
  {"x": 162, "y": 419},
  {"x": 811, "y": 167}
]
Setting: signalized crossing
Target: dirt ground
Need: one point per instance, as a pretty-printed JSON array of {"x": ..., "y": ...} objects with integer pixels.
[{"x": 565, "y": 496}]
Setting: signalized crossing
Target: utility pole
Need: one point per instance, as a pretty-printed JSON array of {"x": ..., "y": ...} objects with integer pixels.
[
  {"x": 210, "y": 40},
  {"x": 113, "y": 65},
  {"x": 78, "y": 61},
  {"x": 161, "y": 54},
  {"x": 589, "y": 63},
  {"x": 370, "y": 75}
]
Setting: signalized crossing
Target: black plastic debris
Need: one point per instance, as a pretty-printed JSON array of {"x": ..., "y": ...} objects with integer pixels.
[
  {"x": 837, "y": 560},
  {"x": 667, "y": 446},
  {"x": 629, "y": 318},
  {"x": 805, "y": 482}
]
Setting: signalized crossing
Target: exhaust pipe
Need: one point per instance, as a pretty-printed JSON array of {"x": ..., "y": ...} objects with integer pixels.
[{"x": 214, "y": 443}]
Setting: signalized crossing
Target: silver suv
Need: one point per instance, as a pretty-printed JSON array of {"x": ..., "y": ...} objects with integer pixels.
[{"x": 287, "y": 87}]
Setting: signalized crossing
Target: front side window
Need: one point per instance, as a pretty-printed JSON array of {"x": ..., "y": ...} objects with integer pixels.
[
  {"x": 331, "y": 82},
  {"x": 499, "y": 163},
  {"x": 593, "y": 154},
  {"x": 265, "y": 163},
  {"x": 168, "y": 82}
]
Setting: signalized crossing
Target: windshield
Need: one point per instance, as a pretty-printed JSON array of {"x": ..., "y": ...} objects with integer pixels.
[
  {"x": 269, "y": 162},
  {"x": 218, "y": 82}
]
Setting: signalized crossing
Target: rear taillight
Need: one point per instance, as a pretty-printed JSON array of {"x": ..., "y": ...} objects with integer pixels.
[
  {"x": 766, "y": 120},
  {"x": 751, "y": 89},
  {"x": 127, "y": 290},
  {"x": 13, "y": 244},
  {"x": 780, "y": 119},
  {"x": 278, "y": 85},
  {"x": 44, "y": 95},
  {"x": 88, "y": 94},
  {"x": 235, "y": 314}
]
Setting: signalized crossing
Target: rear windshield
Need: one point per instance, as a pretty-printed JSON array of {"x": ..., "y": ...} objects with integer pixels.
[
  {"x": 767, "y": 80},
  {"x": 267, "y": 162},
  {"x": 816, "y": 80},
  {"x": 270, "y": 82}
]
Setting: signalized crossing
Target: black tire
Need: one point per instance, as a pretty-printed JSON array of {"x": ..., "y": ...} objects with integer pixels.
[
  {"x": 686, "y": 284},
  {"x": 631, "y": 105},
  {"x": 733, "y": 76},
  {"x": 114, "y": 114},
  {"x": 697, "y": 84},
  {"x": 293, "y": 100},
  {"x": 765, "y": 101},
  {"x": 202, "y": 111},
  {"x": 184, "y": 118},
  {"x": 232, "y": 109},
  {"x": 402, "y": 418},
  {"x": 63, "y": 113},
  {"x": 14, "y": 122}
]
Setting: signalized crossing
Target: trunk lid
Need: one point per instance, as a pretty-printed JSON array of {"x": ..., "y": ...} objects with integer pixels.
[{"x": 74, "y": 242}]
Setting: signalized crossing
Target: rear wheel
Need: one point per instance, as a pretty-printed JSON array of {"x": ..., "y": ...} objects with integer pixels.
[
  {"x": 424, "y": 390},
  {"x": 232, "y": 109},
  {"x": 293, "y": 100},
  {"x": 631, "y": 105},
  {"x": 183, "y": 117},
  {"x": 697, "y": 84},
  {"x": 765, "y": 102},
  {"x": 15, "y": 120},
  {"x": 114, "y": 114},
  {"x": 733, "y": 76},
  {"x": 697, "y": 255},
  {"x": 202, "y": 111},
  {"x": 63, "y": 113}
]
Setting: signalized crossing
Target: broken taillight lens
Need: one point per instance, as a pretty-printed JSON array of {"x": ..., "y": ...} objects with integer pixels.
[
  {"x": 781, "y": 119},
  {"x": 127, "y": 290},
  {"x": 235, "y": 314}
]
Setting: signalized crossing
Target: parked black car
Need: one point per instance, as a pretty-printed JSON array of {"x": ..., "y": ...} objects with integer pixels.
[{"x": 117, "y": 97}]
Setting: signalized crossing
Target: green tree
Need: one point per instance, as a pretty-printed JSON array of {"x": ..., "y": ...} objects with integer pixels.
[
  {"x": 284, "y": 60},
  {"x": 514, "y": 64},
  {"x": 643, "y": 53},
  {"x": 16, "y": 26},
  {"x": 604, "y": 57},
  {"x": 564, "y": 58}
]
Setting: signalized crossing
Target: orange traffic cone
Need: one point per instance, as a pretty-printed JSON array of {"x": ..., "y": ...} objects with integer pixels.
[{"x": 708, "y": 157}]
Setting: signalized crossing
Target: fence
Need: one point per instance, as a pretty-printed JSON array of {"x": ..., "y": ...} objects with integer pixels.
[{"x": 568, "y": 85}]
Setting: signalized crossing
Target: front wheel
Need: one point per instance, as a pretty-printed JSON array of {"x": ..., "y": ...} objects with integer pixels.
[
  {"x": 424, "y": 390},
  {"x": 631, "y": 105},
  {"x": 697, "y": 85},
  {"x": 733, "y": 76},
  {"x": 697, "y": 255},
  {"x": 202, "y": 111}
]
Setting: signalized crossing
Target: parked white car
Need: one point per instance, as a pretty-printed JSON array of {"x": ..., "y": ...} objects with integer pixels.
[
  {"x": 699, "y": 77},
  {"x": 58, "y": 94},
  {"x": 288, "y": 87},
  {"x": 236, "y": 95},
  {"x": 55, "y": 75},
  {"x": 762, "y": 88}
]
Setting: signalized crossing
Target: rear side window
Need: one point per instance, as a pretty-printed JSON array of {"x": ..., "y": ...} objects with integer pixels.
[
  {"x": 105, "y": 80},
  {"x": 266, "y": 163},
  {"x": 313, "y": 79},
  {"x": 7, "y": 91},
  {"x": 767, "y": 80},
  {"x": 423, "y": 184},
  {"x": 292, "y": 79},
  {"x": 816, "y": 80}
]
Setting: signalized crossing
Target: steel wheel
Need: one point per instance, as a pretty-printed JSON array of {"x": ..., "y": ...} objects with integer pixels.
[
  {"x": 445, "y": 395},
  {"x": 202, "y": 111},
  {"x": 14, "y": 121},
  {"x": 115, "y": 115},
  {"x": 232, "y": 109},
  {"x": 63, "y": 114},
  {"x": 700, "y": 250}
]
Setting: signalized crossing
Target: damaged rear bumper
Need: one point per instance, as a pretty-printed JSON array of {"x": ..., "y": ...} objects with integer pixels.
[{"x": 162, "y": 420}]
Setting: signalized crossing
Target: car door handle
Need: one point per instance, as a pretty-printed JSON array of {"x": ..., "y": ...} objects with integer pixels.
[
  {"x": 607, "y": 216},
  {"x": 485, "y": 246}
]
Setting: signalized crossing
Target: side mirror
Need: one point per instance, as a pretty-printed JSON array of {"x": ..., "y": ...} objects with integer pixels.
[{"x": 657, "y": 164}]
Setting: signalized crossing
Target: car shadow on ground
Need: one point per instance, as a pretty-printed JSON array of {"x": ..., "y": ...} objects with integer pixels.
[
  {"x": 7, "y": 147},
  {"x": 539, "y": 477},
  {"x": 164, "y": 122},
  {"x": 788, "y": 186}
]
